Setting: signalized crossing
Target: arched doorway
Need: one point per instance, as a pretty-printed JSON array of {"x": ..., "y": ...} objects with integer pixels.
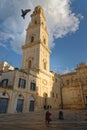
[
  {"x": 31, "y": 104},
  {"x": 45, "y": 100},
  {"x": 20, "y": 102}
]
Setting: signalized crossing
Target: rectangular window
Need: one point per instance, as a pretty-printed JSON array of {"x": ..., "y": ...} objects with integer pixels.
[
  {"x": 32, "y": 86},
  {"x": 22, "y": 83}
]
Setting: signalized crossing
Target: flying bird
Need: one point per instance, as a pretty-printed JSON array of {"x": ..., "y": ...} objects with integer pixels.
[{"x": 24, "y": 12}]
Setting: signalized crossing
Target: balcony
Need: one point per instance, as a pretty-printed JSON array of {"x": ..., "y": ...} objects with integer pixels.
[{"x": 6, "y": 87}]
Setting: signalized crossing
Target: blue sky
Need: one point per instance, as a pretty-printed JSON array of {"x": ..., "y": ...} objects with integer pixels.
[
  {"x": 72, "y": 48},
  {"x": 67, "y": 27}
]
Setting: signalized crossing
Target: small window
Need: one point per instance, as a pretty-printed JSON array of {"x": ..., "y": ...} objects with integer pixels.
[
  {"x": 32, "y": 39},
  {"x": 22, "y": 83},
  {"x": 4, "y": 82},
  {"x": 32, "y": 86}
]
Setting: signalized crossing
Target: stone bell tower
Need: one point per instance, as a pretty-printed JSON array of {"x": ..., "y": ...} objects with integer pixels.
[{"x": 35, "y": 51}]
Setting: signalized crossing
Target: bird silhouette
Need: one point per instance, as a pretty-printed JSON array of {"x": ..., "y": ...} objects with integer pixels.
[{"x": 24, "y": 12}]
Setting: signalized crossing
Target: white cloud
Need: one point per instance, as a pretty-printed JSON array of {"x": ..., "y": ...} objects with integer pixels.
[
  {"x": 18, "y": 42},
  {"x": 60, "y": 70},
  {"x": 67, "y": 70},
  {"x": 60, "y": 20}
]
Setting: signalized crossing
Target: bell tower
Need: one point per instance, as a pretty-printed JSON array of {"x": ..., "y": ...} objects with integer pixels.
[{"x": 35, "y": 51}]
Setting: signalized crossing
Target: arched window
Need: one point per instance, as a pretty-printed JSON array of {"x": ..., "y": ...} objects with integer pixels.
[
  {"x": 45, "y": 65},
  {"x": 4, "y": 82},
  {"x": 32, "y": 38}
]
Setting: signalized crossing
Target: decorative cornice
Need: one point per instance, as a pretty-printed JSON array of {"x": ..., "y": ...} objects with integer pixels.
[
  {"x": 30, "y": 45},
  {"x": 44, "y": 72},
  {"x": 33, "y": 44}
]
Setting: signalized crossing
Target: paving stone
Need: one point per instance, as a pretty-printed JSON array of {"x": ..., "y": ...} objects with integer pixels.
[{"x": 35, "y": 121}]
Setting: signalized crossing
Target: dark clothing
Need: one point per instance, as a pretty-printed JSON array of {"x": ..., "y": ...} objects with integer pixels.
[
  {"x": 47, "y": 117},
  {"x": 60, "y": 115}
]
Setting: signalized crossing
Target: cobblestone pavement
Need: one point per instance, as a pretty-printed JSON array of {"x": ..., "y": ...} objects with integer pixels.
[
  {"x": 36, "y": 122},
  {"x": 42, "y": 126}
]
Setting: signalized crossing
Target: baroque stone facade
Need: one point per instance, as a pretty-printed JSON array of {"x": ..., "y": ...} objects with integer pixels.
[
  {"x": 74, "y": 88},
  {"x": 34, "y": 87},
  {"x": 4, "y": 66}
]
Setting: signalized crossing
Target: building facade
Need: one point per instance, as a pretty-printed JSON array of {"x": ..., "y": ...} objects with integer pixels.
[
  {"x": 34, "y": 87},
  {"x": 74, "y": 88},
  {"x": 4, "y": 67}
]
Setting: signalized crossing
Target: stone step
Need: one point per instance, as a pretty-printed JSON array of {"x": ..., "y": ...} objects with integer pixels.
[{"x": 40, "y": 116}]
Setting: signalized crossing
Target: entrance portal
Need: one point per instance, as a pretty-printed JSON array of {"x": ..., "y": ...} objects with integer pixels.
[
  {"x": 31, "y": 107},
  {"x": 45, "y": 100},
  {"x": 19, "y": 105},
  {"x": 3, "y": 105}
]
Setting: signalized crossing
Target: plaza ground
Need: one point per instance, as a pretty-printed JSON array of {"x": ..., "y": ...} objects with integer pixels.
[{"x": 35, "y": 121}]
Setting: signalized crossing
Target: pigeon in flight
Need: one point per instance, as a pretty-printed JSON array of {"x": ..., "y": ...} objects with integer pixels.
[{"x": 24, "y": 12}]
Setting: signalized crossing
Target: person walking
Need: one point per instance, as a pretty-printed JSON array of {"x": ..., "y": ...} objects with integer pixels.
[{"x": 47, "y": 117}]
